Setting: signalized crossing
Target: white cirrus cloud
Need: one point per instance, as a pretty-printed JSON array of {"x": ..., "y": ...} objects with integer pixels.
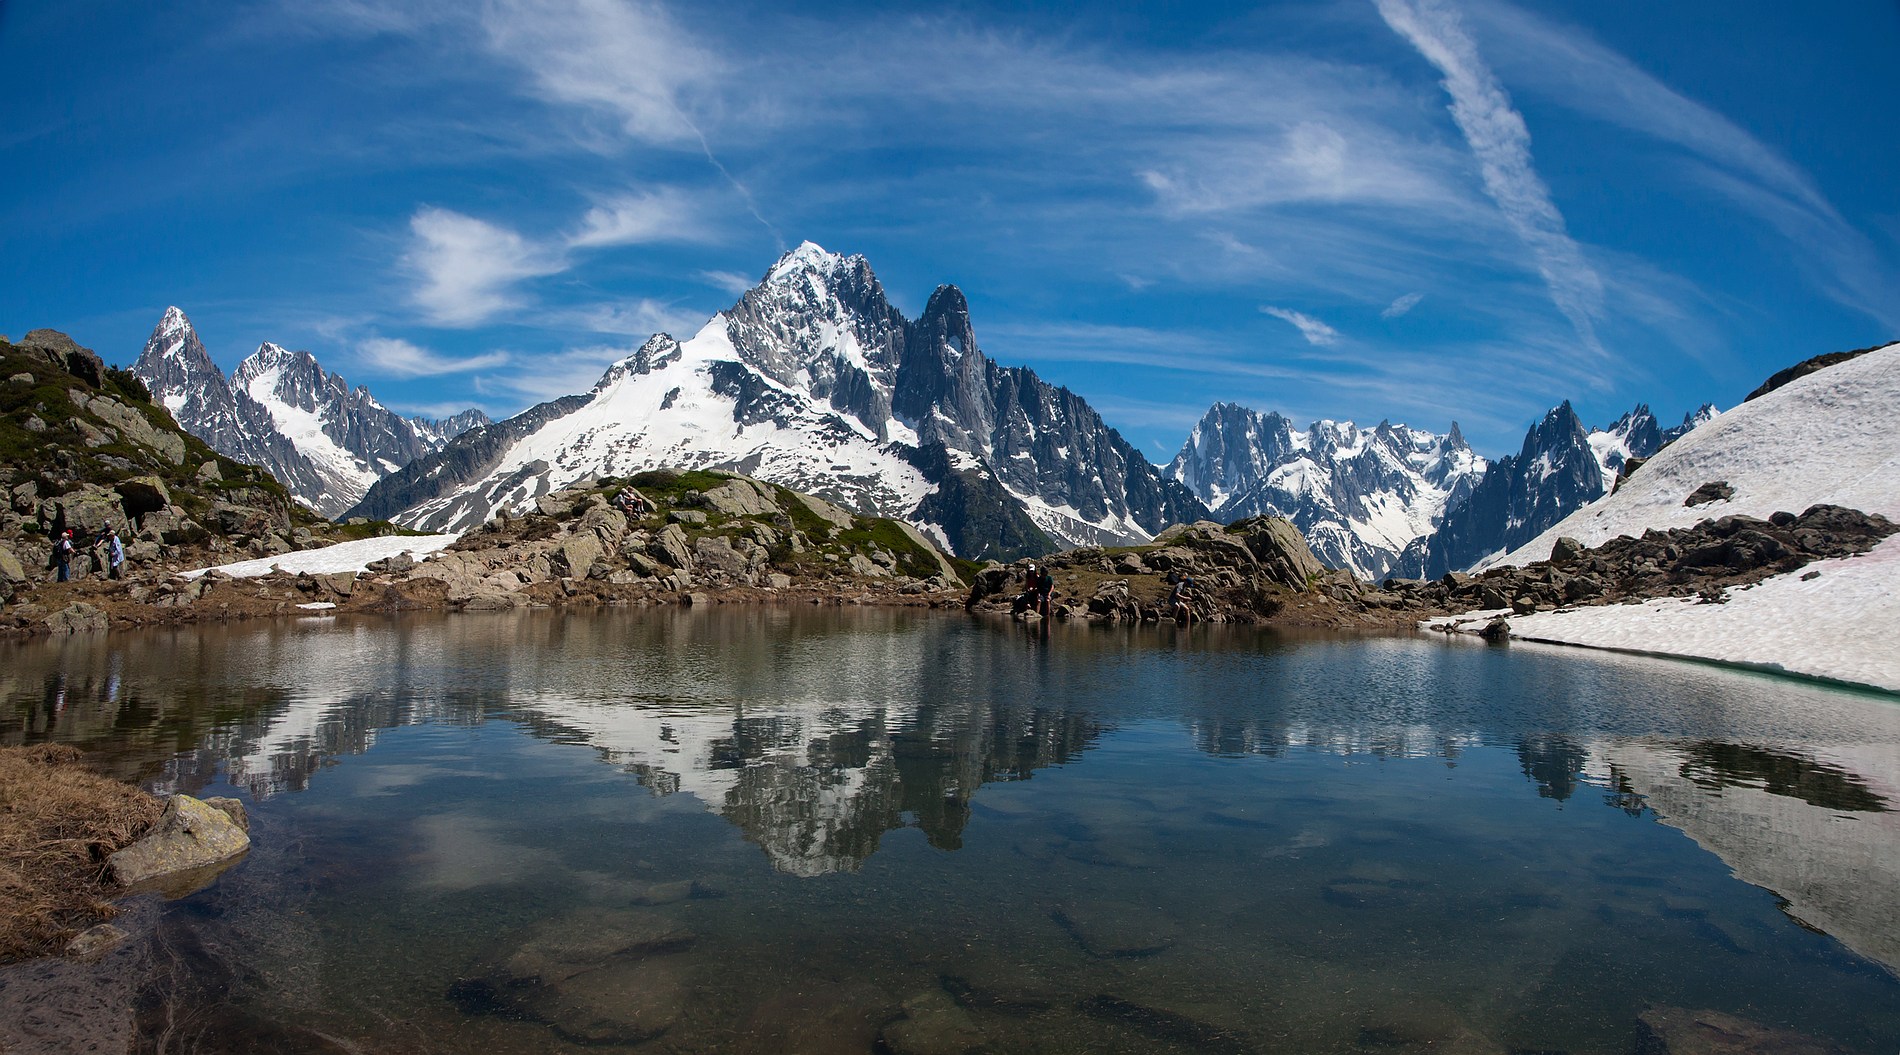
[
  {"x": 627, "y": 57},
  {"x": 1401, "y": 305},
  {"x": 639, "y": 317},
  {"x": 467, "y": 268},
  {"x": 1315, "y": 331},
  {"x": 728, "y": 281},
  {"x": 1501, "y": 142},
  {"x": 638, "y": 218},
  {"x": 397, "y": 357},
  {"x": 1569, "y": 67}
]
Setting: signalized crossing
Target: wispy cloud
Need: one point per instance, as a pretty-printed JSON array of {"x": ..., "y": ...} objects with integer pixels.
[
  {"x": 1315, "y": 331},
  {"x": 1402, "y": 305},
  {"x": 665, "y": 215},
  {"x": 558, "y": 374},
  {"x": 626, "y": 57},
  {"x": 468, "y": 268},
  {"x": 640, "y": 317},
  {"x": 397, "y": 357},
  {"x": 1580, "y": 73},
  {"x": 1501, "y": 142},
  {"x": 728, "y": 281},
  {"x": 629, "y": 58}
]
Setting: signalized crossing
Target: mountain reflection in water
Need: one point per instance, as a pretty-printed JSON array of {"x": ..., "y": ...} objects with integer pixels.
[{"x": 815, "y": 735}]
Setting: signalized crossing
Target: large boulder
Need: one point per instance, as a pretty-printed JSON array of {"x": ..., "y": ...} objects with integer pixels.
[
  {"x": 143, "y": 496},
  {"x": 87, "y": 509},
  {"x": 824, "y": 510},
  {"x": 671, "y": 546},
  {"x": 740, "y": 497},
  {"x": 714, "y": 553},
  {"x": 75, "y": 618},
  {"x": 138, "y": 428},
  {"x": 577, "y": 553},
  {"x": 604, "y": 522},
  {"x": 1281, "y": 550},
  {"x": 64, "y": 352},
  {"x": 191, "y": 842},
  {"x": 12, "y": 568}
]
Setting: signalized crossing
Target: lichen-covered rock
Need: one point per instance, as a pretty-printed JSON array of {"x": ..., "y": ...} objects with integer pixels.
[
  {"x": 12, "y": 569},
  {"x": 75, "y": 618},
  {"x": 739, "y": 497},
  {"x": 1281, "y": 550},
  {"x": 714, "y": 553},
  {"x": 189, "y": 836},
  {"x": 577, "y": 554},
  {"x": 824, "y": 510},
  {"x": 672, "y": 547}
]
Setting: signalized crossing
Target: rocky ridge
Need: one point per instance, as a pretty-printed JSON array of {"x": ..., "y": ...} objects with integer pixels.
[
  {"x": 1359, "y": 495},
  {"x": 1252, "y": 571},
  {"x": 697, "y": 538},
  {"x": 1704, "y": 561},
  {"x": 82, "y": 446},
  {"x": 281, "y": 410},
  {"x": 1561, "y": 467}
]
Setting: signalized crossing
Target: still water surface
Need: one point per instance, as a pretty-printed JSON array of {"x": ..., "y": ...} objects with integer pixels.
[{"x": 765, "y": 830}]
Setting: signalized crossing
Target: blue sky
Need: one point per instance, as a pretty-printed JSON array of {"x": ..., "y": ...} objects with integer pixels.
[{"x": 1422, "y": 210}]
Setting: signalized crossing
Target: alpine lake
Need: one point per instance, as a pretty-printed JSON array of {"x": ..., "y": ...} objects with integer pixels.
[{"x": 859, "y": 830}]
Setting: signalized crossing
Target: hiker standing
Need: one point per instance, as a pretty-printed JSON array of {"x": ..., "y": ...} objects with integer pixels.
[
  {"x": 115, "y": 554},
  {"x": 63, "y": 555}
]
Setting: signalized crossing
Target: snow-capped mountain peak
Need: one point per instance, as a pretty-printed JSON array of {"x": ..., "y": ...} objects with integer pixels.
[
  {"x": 281, "y": 410},
  {"x": 1360, "y": 495},
  {"x": 815, "y": 381}
]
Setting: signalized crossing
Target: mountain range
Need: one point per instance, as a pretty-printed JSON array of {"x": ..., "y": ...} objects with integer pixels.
[
  {"x": 1396, "y": 500},
  {"x": 325, "y": 441},
  {"x": 815, "y": 381}
]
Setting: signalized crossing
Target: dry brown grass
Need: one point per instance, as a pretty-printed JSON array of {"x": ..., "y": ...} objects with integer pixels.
[{"x": 58, "y": 824}]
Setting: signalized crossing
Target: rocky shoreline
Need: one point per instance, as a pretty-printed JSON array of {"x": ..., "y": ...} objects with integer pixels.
[{"x": 661, "y": 538}]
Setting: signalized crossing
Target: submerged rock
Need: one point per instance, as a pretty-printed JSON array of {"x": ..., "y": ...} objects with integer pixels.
[
  {"x": 933, "y": 1024},
  {"x": 1117, "y": 931},
  {"x": 1678, "y": 1031},
  {"x": 594, "y": 977},
  {"x": 95, "y": 941}
]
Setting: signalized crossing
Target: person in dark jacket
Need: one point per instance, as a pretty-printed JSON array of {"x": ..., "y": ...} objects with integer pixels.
[
  {"x": 63, "y": 555},
  {"x": 1181, "y": 601}
]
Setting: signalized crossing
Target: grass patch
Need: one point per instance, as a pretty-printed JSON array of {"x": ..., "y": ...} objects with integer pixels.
[
  {"x": 670, "y": 485},
  {"x": 912, "y": 560},
  {"x": 58, "y": 824}
]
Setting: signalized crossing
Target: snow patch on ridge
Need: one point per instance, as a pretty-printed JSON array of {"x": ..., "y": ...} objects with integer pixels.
[{"x": 1824, "y": 438}]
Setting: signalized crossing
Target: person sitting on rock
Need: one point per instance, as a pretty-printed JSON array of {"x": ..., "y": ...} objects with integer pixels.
[
  {"x": 1027, "y": 599},
  {"x": 1181, "y": 601},
  {"x": 1045, "y": 589}
]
